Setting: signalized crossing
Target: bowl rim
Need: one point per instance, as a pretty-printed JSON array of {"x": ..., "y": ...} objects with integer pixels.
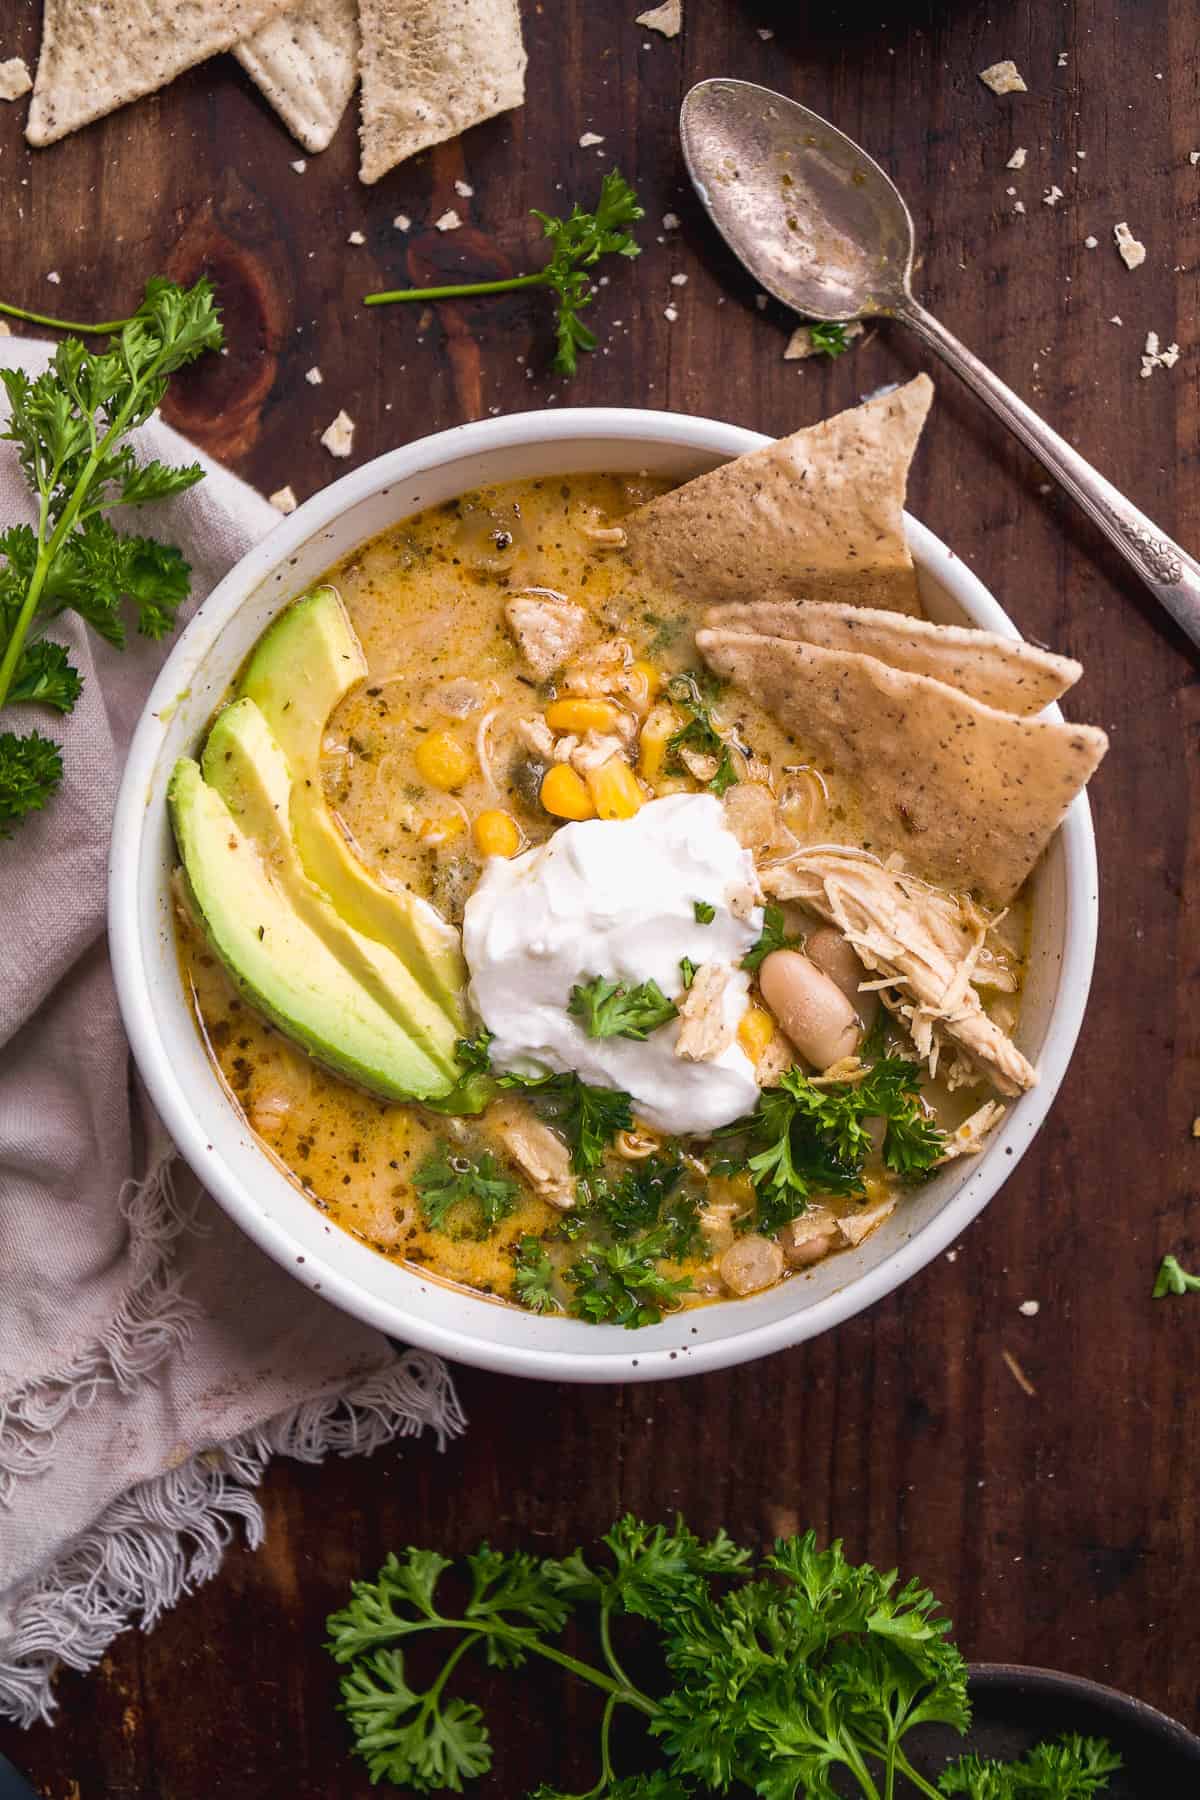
[{"x": 690, "y": 434}]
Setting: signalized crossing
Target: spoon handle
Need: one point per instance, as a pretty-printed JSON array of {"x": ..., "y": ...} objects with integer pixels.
[{"x": 1172, "y": 576}]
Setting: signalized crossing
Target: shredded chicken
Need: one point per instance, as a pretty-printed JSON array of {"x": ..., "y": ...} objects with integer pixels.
[
  {"x": 967, "y": 1140},
  {"x": 595, "y": 749},
  {"x": 775, "y": 1060},
  {"x": 539, "y": 1152},
  {"x": 536, "y": 736},
  {"x": 548, "y": 629},
  {"x": 753, "y": 817},
  {"x": 606, "y": 537},
  {"x": 704, "y": 1033},
  {"x": 742, "y": 898},
  {"x": 603, "y": 670},
  {"x": 699, "y": 765},
  {"x": 854, "y": 1227},
  {"x": 809, "y": 1238},
  {"x": 927, "y": 946}
]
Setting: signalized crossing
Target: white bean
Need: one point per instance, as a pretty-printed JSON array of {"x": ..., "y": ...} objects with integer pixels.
[
  {"x": 812, "y": 1009},
  {"x": 836, "y": 957},
  {"x": 750, "y": 1264},
  {"x": 809, "y": 1238}
]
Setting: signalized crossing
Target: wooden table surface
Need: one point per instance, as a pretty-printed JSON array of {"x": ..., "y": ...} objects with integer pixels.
[{"x": 1059, "y": 1526}]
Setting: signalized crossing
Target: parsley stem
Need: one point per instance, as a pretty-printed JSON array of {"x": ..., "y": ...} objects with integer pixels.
[
  {"x": 917, "y": 1779},
  {"x": 458, "y": 291},
  {"x": 35, "y": 318}
]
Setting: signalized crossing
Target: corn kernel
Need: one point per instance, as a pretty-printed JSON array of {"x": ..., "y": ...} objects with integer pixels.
[
  {"x": 755, "y": 1030},
  {"x": 581, "y": 715},
  {"x": 564, "y": 794},
  {"x": 662, "y": 724},
  {"x": 614, "y": 788},
  {"x": 442, "y": 761},
  {"x": 440, "y": 830},
  {"x": 496, "y": 834},
  {"x": 643, "y": 683}
]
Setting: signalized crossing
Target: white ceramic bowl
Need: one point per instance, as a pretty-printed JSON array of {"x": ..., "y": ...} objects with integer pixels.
[{"x": 213, "y": 1137}]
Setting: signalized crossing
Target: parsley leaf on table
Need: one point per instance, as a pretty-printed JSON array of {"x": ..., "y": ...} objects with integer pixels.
[
  {"x": 1172, "y": 1279},
  {"x": 579, "y": 241},
  {"x": 447, "y": 1180},
  {"x": 828, "y": 337},
  {"x": 610, "y": 1009},
  {"x": 70, "y": 426}
]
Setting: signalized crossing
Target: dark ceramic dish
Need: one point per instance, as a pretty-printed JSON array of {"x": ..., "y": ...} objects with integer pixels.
[{"x": 1015, "y": 1708}]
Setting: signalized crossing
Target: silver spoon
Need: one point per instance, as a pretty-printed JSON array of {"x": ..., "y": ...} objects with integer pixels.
[{"x": 821, "y": 227}]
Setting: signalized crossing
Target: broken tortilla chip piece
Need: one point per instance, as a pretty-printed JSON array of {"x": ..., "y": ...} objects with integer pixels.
[
  {"x": 816, "y": 516},
  {"x": 430, "y": 69},
  {"x": 968, "y": 795},
  {"x": 95, "y": 58},
  {"x": 1003, "y": 672},
  {"x": 306, "y": 64}
]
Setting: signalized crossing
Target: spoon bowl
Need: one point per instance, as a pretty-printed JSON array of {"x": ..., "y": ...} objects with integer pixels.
[
  {"x": 814, "y": 219},
  {"x": 822, "y": 228}
]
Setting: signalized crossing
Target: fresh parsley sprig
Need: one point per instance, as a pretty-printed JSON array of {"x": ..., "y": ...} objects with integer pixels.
[
  {"x": 803, "y": 1139},
  {"x": 699, "y": 735},
  {"x": 70, "y": 426},
  {"x": 611, "y": 1009},
  {"x": 773, "y": 936},
  {"x": 448, "y": 1181},
  {"x": 790, "y": 1678},
  {"x": 579, "y": 241}
]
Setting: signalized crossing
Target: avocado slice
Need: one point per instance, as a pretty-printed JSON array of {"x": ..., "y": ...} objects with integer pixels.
[
  {"x": 245, "y": 765},
  {"x": 307, "y": 661},
  {"x": 284, "y": 967}
]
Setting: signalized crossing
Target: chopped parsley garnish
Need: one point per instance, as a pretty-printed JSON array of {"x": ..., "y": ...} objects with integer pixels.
[
  {"x": 588, "y": 1117},
  {"x": 634, "y": 1202},
  {"x": 772, "y": 937},
  {"x": 699, "y": 735},
  {"x": 474, "y": 1053},
  {"x": 687, "y": 971},
  {"x": 533, "y": 1277},
  {"x": 795, "y": 1673},
  {"x": 447, "y": 1180},
  {"x": 579, "y": 241},
  {"x": 621, "y": 1284},
  {"x": 828, "y": 338},
  {"x": 803, "y": 1140},
  {"x": 705, "y": 912},
  {"x": 610, "y": 1009},
  {"x": 1172, "y": 1279}
]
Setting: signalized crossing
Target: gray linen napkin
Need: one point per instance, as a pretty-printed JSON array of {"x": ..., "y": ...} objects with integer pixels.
[{"x": 152, "y": 1360}]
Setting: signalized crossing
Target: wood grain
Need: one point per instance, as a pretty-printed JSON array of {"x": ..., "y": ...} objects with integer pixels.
[{"x": 1060, "y": 1527}]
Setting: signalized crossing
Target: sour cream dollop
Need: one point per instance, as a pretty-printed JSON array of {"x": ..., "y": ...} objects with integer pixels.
[{"x": 617, "y": 898}]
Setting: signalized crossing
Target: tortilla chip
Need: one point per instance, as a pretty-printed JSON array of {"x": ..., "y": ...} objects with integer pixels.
[
  {"x": 97, "y": 58},
  {"x": 816, "y": 516},
  {"x": 968, "y": 795},
  {"x": 432, "y": 68},
  {"x": 1003, "y": 672},
  {"x": 306, "y": 64}
]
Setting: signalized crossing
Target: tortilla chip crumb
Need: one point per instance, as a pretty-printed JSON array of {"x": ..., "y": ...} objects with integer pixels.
[
  {"x": 299, "y": 165},
  {"x": 1090, "y": 242},
  {"x": 5, "y": 328},
  {"x": 1196, "y": 1127},
  {"x": 449, "y": 221},
  {"x": 1052, "y": 196},
  {"x": 670, "y": 314},
  {"x": 1030, "y": 1308},
  {"x": 800, "y": 345},
  {"x": 666, "y": 19},
  {"x": 670, "y": 221},
  {"x": 313, "y": 376},
  {"x": 1132, "y": 253},
  {"x": 338, "y": 438},
  {"x": 1017, "y": 159},
  {"x": 589, "y": 140},
  {"x": 284, "y": 500},
  {"x": 464, "y": 190},
  {"x": 15, "y": 78},
  {"x": 1003, "y": 78},
  {"x": 1155, "y": 358},
  {"x": 402, "y": 222},
  {"x": 1062, "y": 59},
  {"x": 1194, "y": 157},
  {"x": 356, "y": 237}
]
